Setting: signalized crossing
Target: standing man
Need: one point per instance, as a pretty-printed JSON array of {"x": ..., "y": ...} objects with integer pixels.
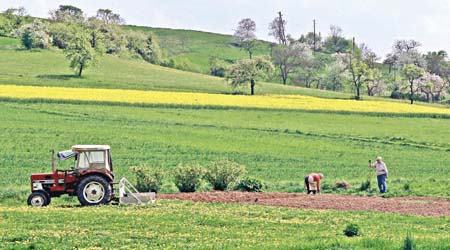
[
  {"x": 382, "y": 173},
  {"x": 312, "y": 182}
]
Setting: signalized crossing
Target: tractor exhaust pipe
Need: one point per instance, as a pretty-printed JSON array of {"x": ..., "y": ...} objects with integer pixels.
[{"x": 53, "y": 161}]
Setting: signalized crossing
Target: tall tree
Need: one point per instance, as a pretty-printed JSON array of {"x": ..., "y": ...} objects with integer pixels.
[
  {"x": 107, "y": 16},
  {"x": 244, "y": 36},
  {"x": 359, "y": 73},
  {"x": 433, "y": 86},
  {"x": 375, "y": 83},
  {"x": 16, "y": 16},
  {"x": 277, "y": 29},
  {"x": 291, "y": 56},
  {"x": 413, "y": 73},
  {"x": 67, "y": 13},
  {"x": 437, "y": 62},
  {"x": 368, "y": 56},
  {"x": 79, "y": 52},
  {"x": 314, "y": 41},
  {"x": 335, "y": 42},
  {"x": 406, "y": 52},
  {"x": 248, "y": 71}
]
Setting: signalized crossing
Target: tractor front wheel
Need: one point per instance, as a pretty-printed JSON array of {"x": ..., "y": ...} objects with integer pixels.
[
  {"x": 38, "y": 199},
  {"x": 94, "y": 190}
]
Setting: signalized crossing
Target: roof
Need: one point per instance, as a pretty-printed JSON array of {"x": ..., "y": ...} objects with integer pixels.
[{"x": 90, "y": 147}]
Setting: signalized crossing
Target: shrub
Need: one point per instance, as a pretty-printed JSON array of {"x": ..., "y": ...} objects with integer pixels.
[
  {"x": 250, "y": 184},
  {"x": 34, "y": 35},
  {"x": 365, "y": 185},
  {"x": 217, "y": 67},
  {"x": 341, "y": 185},
  {"x": 351, "y": 230},
  {"x": 407, "y": 187},
  {"x": 188, "y": 177},
  {"x": 148, "y": 179},
  {"x": 408, "y": 243},
  {"x": 224, "y": 172}
]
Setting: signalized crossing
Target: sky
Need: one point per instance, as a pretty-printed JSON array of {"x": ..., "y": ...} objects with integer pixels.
[{"x": 378, "y": 23}]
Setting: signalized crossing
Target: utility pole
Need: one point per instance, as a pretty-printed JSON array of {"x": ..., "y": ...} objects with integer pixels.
[
  {"x": 353, "y": 46},
  {"x": 314, "y": 27}
]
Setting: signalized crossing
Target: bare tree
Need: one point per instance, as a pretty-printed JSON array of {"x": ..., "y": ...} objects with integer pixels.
[
  {"x": 404, "y": 46},
  {"x": 277, "y": 29},
  {"x": 368, "y": 56},
  {"x": 244, "y": 36},
  {"x": 406, "y": 52},
  {"x": 289, "y": 57}
]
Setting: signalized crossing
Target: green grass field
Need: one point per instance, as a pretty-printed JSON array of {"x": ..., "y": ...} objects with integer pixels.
[
  {"x": 183, "y": 225},
  {"x": 278, "y": 147}
]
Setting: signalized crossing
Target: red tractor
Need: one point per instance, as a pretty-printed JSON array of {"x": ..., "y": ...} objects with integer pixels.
[{"x": 90, "y": 179}]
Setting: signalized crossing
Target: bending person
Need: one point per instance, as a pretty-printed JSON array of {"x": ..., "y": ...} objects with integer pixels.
[{"x": 312, "y": 183}]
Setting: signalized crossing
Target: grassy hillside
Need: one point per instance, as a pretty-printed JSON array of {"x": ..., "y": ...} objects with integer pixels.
[
  {"x": 193, "y": 49},
  {"x": 50, "y": 68}
]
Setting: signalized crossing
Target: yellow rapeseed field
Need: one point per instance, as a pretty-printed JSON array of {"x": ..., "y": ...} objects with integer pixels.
[{"x": 204, "y": 99}]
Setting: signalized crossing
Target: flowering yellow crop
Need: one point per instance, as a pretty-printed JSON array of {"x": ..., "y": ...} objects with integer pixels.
[{"x": 203, "y": 99}]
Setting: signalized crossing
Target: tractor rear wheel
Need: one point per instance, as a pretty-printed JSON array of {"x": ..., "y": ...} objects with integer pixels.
[
  {"x": 38, "y": 199},
  {"x": 94, "y": 190}
]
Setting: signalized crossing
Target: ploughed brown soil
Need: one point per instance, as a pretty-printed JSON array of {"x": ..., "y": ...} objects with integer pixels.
[{"x": 425, "y": 206}]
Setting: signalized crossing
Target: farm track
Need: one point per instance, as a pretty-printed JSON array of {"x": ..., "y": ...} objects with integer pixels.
[{"x": 423, "y": 206}]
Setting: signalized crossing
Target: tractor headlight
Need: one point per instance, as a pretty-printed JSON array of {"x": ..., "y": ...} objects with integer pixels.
[{"x": 37, "y": 186}]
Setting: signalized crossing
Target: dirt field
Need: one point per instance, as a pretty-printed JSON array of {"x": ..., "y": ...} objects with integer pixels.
[{"x": 425, "y": 206}]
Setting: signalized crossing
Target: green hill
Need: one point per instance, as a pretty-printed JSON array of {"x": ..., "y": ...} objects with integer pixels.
[
  {"x": 50, "y": 68},
  {"x": 191, "y": 50}
]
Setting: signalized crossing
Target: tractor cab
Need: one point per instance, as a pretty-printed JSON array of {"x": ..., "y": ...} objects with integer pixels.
[{"x": 89, "y": 157}]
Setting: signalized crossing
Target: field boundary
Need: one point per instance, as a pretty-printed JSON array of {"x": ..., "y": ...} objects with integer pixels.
[{"x": 221, "y": 107}]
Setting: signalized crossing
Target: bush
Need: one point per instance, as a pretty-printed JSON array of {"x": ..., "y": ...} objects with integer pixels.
[
  {"x": 250, "y": 184},
  {"x": 407, "y": 187},
  {"x": 365, "y": 185},
  {"x": 342, "y": 185},
  {"x": 409, "y": 243},
  {"x": 145, "y": 45},
  {"x": 351, "y": 230},
  {"x": 148, "y": 179},
  {"x": 224, "y": 172},
  {"x": 5, "y": 26},
  {"x": 34, "y": 35},
  {"x": 188, "y": 177},
  {"x": 217, "y": 67}
]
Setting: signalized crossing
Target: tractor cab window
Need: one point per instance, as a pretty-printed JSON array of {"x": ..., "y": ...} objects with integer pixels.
[{"x": 92, "y": 159}]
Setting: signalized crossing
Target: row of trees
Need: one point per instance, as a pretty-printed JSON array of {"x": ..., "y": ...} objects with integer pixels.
[
  {"x": 83, "y": 39},
  {"x": 338, "y": 64}
]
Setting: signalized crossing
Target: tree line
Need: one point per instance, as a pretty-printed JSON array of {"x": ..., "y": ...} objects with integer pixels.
[
  {"x": 83, "y": 39},
  {"x": 337, "y": 63}
]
